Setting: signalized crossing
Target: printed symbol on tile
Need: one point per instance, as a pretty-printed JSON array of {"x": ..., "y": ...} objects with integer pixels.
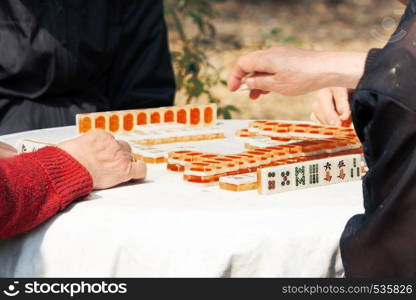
[
  {"x": 272, "y": 181},
  {"x": 285, "y": 178},
  {"x": 341, "y": 166},
  {"x": 355, "y": 167},
  {"x": 300, "y": 176},
  {"x": 328, "y": 176},
  {"x": 313, "y": 174}
]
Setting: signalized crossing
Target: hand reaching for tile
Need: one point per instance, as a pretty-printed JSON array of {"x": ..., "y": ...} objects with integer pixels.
[{"x": 292, "y": 71}]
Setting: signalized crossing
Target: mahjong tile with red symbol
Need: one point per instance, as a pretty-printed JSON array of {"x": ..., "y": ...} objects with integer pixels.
[
  {"x": 196, "y": 115},
  {"x": 341, "y": 165},
  {"x": 210, "y": 114},
  {"x": 244, "y": 133},
  {"x": 202, "y": 173},
  {"x": 242, "y": 162},
  {"x": 327, "y": 171},
  {"x": 182, "y": 115},
  {"x": 231, "y": 167},
  {"x": 128, "y": 120},
  {"x": 257, "y": 124},
  {"x": 100, "y": 121},
  {"x": 192, "y": 156},
  {"x": 300, "y": 129},
  {"x": 114, "y": 121},
  {"x": 84, "y": 123},
  {"x": 142, "y": 118},
  {"x": 271, "y": 124},
  {"x": 276, "y": 179},
  {"x": 281, "y": 139},
  {"x": 155, "y": 116},
  {"x": 176, "y": 160},
  {"x": 168, "y": 115}
]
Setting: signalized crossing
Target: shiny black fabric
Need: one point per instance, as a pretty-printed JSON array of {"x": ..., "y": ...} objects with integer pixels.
[
  {"x": 62, "y": 57},
  {"x": 382, "y": 242}
]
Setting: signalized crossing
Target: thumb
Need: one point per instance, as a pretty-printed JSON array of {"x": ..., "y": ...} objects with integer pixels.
[
  {"x": 138, "y": 170},
  {"x": 341, "y": 103},
  {"x": 263, "y": 83}
]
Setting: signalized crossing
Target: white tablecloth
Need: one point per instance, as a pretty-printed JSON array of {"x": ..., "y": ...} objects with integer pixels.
[{"x": 166, "y": 228}]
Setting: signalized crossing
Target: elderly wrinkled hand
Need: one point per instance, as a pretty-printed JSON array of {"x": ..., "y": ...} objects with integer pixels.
[
  {"x": 292, "y": 71},
  {"x": 108, "y": 160}
]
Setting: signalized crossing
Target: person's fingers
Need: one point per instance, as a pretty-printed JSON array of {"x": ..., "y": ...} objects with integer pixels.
[
  {"x": 261, "y": 82},
  {"x": 124, "y": 146},
  {"x": 326, "y": 111},
  {"x": 255, "y": 62},
  {"x": 138, "y": 170},
  {"x": 255, "y": 94},
  {"x": 342, "y": 105},
  {"x": 315, "y": 119}
]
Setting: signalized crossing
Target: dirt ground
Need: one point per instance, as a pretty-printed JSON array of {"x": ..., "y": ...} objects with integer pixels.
[{"x": 355, "y": 25}]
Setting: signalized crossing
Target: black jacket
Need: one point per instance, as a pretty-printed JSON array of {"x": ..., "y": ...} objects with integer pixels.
[
  {"x": 382, "y": 242},
  {"x": 62, "y": 57}
]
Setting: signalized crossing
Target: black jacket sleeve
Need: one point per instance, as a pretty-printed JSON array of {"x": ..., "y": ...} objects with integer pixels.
[
  {"x": 142, "y": 74},
  {"x": 382, "y": 241}
]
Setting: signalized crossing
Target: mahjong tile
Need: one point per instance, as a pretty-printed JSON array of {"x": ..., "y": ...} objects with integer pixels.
[
  {"x": 210, "y": 114},
  {"x": 239, "y": 183},
  {"x": 313, "y": 173}
]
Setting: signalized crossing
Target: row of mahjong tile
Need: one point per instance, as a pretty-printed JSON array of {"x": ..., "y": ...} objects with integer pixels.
[
  {"x": 126, "y": 121},
  {"x": 324, "y": 171},
  {"x": 171, "y": 133},
  {"x": 327, "y": 143},
  {"x": 177, "y": 160},
  {"x": 295, "y": 176},
  {"x": 284, "y": 131},
  {"x": 208, "y": 168},
  {"x": 150, "y": 155},
  {"x": 209, "y": 172}
]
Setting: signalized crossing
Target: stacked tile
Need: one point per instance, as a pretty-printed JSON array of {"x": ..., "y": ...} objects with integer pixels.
[
  {"x": 286, "y": 131},
  {"x": 239, "y": 183},
  {"x": 120, "y": 122},
  {"x": 314, "y": 172},
  {"x": 166, "y": 134},
  {"x": 216, "y": 166}
]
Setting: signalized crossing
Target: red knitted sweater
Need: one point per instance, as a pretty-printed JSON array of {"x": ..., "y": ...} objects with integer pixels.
[{"x": 35, "y": 186}]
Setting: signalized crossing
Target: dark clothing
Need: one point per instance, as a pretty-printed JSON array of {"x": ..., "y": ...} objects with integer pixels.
[
  {"x": 382, "y": 242},
  {"x": 62, "y": 57}
]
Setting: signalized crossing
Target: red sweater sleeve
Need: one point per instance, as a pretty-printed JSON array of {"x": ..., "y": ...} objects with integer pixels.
[{"x": 35, "y": 186}]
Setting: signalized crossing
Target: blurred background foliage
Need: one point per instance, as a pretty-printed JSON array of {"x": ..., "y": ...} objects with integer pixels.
[{"x": 207, "y": 37}]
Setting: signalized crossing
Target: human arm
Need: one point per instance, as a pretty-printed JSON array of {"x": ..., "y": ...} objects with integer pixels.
[
  {"x": 35, "y": 186},
  {"x": 293, "y": 71}
]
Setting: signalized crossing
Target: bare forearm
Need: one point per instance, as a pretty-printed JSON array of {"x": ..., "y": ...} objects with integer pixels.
[{"x": 341, "y": 69}]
